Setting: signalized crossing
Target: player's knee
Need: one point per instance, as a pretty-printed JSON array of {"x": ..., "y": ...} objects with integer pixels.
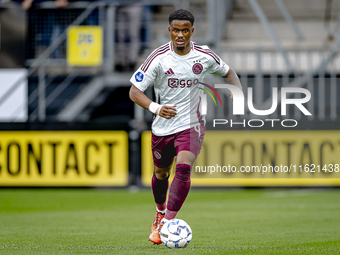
[
  {"x": 162, "y": 173},
  {"x": 186, "y": 157},
  {"x": 183, "y": 172}
]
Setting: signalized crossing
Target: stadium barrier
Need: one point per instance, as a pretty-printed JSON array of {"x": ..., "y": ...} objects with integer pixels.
[
  {"x": 260, "y": 158},
  {"x": 63, "y": 158}
]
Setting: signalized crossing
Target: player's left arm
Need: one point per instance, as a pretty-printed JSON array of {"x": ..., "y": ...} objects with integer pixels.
[
  {"x": 219, "y": 68},
  {"x": 233, "y": 79}
]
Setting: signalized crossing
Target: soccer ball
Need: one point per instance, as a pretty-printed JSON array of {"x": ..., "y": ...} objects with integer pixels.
[{"x": 176, "y": 233}]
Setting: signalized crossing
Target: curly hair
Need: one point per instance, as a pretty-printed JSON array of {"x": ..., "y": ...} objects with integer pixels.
[{"x": 181, "y": 14}]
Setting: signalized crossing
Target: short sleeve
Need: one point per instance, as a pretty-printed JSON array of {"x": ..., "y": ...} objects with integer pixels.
[
  {"x": 145, "y": 75},
  {"x": 217, "y": 66}
]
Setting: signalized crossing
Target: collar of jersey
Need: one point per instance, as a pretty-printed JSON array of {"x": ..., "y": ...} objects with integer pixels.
[{"x": 182, "y": 56}]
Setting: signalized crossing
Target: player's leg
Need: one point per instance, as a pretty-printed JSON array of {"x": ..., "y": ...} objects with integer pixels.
[
  {"x": 159, "y": 188},
  {"x": 163, "y": 153},
  {"x": 159, "y": 184},
  {"x": 179, "y": 190},
  {"x": 188, "y": 145},
  {"x": 181, "y": 183}
]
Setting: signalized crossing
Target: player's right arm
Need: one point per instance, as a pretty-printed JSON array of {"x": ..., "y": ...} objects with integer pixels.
[
  {"x": 146, "y": 75},
  {"x": 141, "y": 99}
]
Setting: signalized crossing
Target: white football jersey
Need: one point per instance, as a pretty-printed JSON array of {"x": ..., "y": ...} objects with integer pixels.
[{"x": 176, "y": 81}]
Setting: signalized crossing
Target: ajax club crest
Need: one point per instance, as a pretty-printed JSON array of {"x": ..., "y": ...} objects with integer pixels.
[{"x": 197, "y": 68}]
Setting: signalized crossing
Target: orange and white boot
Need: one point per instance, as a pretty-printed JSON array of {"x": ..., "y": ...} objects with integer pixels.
[
  {"x": 159, "y": 216},
  {"x": 155, "y": 236}
]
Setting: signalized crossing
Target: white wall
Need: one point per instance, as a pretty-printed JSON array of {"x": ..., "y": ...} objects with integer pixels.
[{"x": 14, "y": 107}]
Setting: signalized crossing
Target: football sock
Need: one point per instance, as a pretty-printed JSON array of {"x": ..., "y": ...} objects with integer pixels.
[
  {"x": 169, "y": 215},
  {"x": 159, "y": 190},
  {"x": 179, "y": 190}
]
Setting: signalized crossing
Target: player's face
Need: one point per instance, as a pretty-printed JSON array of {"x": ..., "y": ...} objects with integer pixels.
[{"x": 180, "y": 32}]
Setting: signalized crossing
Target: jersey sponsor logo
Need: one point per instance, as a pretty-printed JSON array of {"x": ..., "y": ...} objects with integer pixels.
[
  {"x": 175, "y": 83},
  {"x": 170, "y": 71},
  {"x": 197, "y": 68},
  {"x": 157, "y": 155},
  {"x": 139, "y": 76}
]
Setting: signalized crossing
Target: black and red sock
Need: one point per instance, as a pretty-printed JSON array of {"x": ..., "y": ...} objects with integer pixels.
[{"x": 159, "y": 190}]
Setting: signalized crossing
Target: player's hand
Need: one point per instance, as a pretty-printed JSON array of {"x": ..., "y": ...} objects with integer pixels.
[
  {"x": 168, "y": 112},
  {"x": 231, "y": 96}
]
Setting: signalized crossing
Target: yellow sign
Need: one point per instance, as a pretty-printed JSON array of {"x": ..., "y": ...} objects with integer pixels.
[
  {"x": 64, "y": 158},
  {"x": 85, "y": 45},
  {"x": 261, "y": 158}
]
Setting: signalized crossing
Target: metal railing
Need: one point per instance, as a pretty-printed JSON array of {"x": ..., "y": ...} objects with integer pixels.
[
  {"x": 315, "y": 70},
  {"x": 40, "y": 63},
  {"x": 47, "y": 58}
]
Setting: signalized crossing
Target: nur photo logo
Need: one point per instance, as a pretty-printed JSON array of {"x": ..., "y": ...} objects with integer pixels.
[{"x": 239, "y": 105}]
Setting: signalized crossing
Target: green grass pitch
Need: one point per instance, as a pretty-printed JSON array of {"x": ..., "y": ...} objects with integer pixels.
[{"x": 97, "y": 221}]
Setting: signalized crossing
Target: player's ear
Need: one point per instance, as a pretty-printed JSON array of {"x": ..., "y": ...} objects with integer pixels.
[
  {"x": 192, "y": 30},
  {"x": 169, "y": 29}
]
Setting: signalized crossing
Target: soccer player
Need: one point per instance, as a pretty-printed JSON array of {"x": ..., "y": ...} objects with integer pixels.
[{"x": 176, "y": 69}]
